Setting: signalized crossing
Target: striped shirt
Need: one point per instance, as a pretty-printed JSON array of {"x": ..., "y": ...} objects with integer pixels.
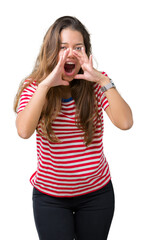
[{"x": 69, "y": 168}]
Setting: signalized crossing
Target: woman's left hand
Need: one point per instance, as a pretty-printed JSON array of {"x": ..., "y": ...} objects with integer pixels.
[{"x": 89, "y": 72}]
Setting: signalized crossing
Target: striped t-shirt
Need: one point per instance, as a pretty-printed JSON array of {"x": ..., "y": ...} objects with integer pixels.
[{"x": 69, "y": 168}]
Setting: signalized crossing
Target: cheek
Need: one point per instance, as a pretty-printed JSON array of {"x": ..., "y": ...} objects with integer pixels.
[{"x": 78, "y": 66}]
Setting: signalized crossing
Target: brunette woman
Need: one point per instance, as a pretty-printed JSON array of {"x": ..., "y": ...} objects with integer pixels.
[{"x": 63, "y": 100}]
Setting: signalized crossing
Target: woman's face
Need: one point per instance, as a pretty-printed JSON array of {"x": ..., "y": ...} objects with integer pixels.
[{"x": 73, "y": 40}]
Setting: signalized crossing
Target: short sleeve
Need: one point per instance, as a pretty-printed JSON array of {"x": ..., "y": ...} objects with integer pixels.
[
  {"x": 102, "y": 99},
  {"x": 26, "y": 95}
]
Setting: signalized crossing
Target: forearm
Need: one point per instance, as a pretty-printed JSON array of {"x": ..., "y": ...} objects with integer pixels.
[
  {"x": 27, "y": 119},
  {"x": 118, "y": 111}
]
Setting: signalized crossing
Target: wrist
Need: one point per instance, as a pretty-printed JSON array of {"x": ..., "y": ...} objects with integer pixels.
[
  {"x": 104, "y": 81},
  {"x": 45, "y": 87},
  {"x": 108, "y": 86}
]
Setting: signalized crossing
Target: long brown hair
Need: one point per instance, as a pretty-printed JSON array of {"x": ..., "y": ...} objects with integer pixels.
[{"x": 82, "y": 91}]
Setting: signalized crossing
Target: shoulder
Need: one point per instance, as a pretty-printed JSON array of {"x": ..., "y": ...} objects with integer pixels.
[{"x": 30, "y": 85}]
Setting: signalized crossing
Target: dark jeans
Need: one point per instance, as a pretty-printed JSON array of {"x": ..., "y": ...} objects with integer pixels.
[{"x": 86, "y": 217}]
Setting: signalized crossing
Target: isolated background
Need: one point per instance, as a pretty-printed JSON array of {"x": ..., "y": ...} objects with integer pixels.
[{"x": 119, "y": 39}]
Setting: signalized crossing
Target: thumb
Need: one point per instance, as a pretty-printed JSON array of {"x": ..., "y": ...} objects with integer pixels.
[
  {"x": 65, "y": 83},
  {"x": 79, "y": 76}
]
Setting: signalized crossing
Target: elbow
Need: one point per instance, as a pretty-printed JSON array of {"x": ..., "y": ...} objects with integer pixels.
[
  {"x": 23, "y": 129},
  {"x": 129, "y": 122},
  {"x": 126, "y": 125},
  {"x": 23, "y": 134}
]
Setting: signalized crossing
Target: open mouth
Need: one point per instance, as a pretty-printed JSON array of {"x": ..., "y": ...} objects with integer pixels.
[{"x": 69, "y": 67}]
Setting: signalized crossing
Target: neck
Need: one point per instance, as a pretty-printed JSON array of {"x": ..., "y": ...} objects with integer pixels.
[{"x": 66, "y": 92}]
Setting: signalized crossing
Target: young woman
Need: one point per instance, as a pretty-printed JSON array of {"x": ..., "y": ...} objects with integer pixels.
[{"x": 63, "y": 100}]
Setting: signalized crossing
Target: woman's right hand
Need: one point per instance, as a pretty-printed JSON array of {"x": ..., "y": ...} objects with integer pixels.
[
  {"x": 55, "y": 77},
  {"x": 27, "y": 120}
]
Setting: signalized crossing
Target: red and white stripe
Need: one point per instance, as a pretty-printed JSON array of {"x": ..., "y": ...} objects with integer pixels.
[{"x": 69, "y": 168}]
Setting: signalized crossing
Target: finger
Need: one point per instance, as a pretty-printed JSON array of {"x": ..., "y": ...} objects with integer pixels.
[
  {"x": 63, "y": 57},
  {"x": 65, "y": 54},
  {"x": 65, "y": 83},
  {"x": 83, "y": 51},
  {"x": 79, "y": 76},
  {"x": 79, "y": 57},
  {"x": 91, "y": 60}
]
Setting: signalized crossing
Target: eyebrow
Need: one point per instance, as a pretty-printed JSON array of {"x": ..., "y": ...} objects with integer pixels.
[{"x": 75, "y": 44}]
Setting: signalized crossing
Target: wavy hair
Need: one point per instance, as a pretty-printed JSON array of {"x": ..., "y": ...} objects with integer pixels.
[{"x": 82, "y": 91}]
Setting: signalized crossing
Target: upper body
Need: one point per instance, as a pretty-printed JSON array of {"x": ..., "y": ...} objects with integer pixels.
[{"x": 65, "y": 169}]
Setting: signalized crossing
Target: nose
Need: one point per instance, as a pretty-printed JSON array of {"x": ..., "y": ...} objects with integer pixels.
[{"x": 70, "y": 52}]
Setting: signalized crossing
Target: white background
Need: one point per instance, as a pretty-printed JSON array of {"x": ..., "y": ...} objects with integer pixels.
[{"x": 119, "y": 39}]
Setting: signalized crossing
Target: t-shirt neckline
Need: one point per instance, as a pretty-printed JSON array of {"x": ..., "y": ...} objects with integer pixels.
[{"x": 67, "y": 100}]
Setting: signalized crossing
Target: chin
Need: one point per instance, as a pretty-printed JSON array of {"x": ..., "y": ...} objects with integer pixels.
[{"x": 68, "y": 79}]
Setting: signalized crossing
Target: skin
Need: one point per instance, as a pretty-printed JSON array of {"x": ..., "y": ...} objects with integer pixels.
[
  {"x": 72, "y": 42},
  {"x": 73, "y": 50}
]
